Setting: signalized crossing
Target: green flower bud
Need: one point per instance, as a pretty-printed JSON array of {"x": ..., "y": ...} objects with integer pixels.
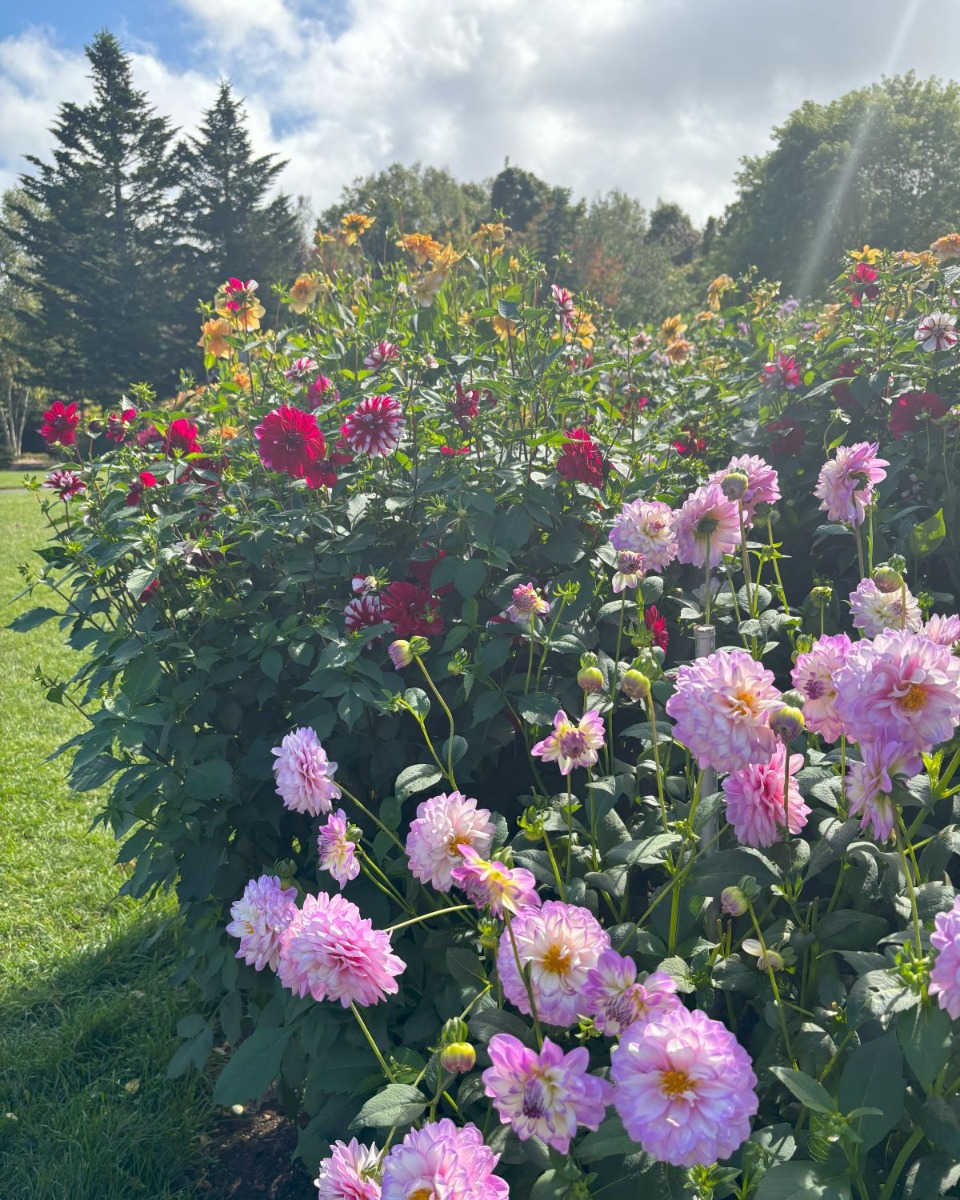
[
  {"x": 454, "y": 1030},
  {"x": 590, "y": 679},
  {"x": 787, "y": 723},
  {"x": 458, "y": 1058},
  {"x": 734, "y": 485},
  {"x": 887, "y": 580},
  {"x": 733, "y": 902},
  {"x": 635, "y": 685},
  {"x": 400, "y": 654}
]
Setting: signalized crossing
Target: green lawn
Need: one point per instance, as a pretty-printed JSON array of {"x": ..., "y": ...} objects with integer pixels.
[{"x": 87, "y": 1019}]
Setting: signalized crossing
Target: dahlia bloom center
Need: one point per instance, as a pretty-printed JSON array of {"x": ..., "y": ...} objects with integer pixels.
[
  {"x": 913, "y": 699},
  {"x": 557, "y": 960},
  {"x": 534, "y": 1097},
  {"x": 573, "y": 743},
  {"x": 423, "y": 1193},
  {"x": 675, "y": 1083},
  {"x": 706, "y": 526},
  {"x": 745, "y": 703}
]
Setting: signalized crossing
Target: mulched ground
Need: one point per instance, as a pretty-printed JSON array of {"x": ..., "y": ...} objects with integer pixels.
[{"x": 253, "y": 1158}]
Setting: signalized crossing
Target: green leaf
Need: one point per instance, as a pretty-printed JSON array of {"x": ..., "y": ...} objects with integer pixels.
[
  {"x": 470, "y": 577},
  {"x": 141, "y": 678},
  {"x": 609, "y": 1139},
  {"x": 927, "y": 536},
  {"x": 551, "y": 1185},
  {"x": 397, "y": 1104},
  {"x": 195, "y": 1050},
  {"x": 714, "y": 872},
  {"x": 252, "y": 1067},
  {"x": 32, "y": 618},
  {"x": 941, "y": 1123},
  {"x": 878, "y": 995},
  {"x": 271, "y": 663},
  {"x": 416, "y": 779},
  {"x": 209, "y": 780},
  {"x": 803, "y": 1181},
  {"x": 419, "y": 701},
  {"x": 873, "y": 1077},
  {"x": 926, "y": 1039},
  {"x": 140, "y": 579},
  {"x": 539, "y": 708},
  {"x": 464, "y": 966},
  {"x": 644, "y": 851},
  {"x": 809, "y": 1092}
]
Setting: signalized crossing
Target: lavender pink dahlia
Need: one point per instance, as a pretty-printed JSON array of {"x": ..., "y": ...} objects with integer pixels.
[
  {"x": 707, "y": 527},
  {"x": 684, "y": 1088},
  {"x": 442, "y": 1162},
  {"x": 870, "y": 783},
  {"x": 615, "y": 1000},
  {"x": 442, "y": 825},
  {"x": 945, "y": 975},
  {"x": 846, "y": 482},
  {"x": 763, "y": 484},
  {"x": 527, "y": 604},
  {"x": 944, "y": 630},
  {"x": 546, "y": 1095},
  {"x": 561, "y": 943},
  {"x": 304, "y": 774},
  {"x": 260, "y": 916},
  {"x": 755, "y": 802},
  {"x": 813, "y": 677},
  {"x": 874, "y": 611},
  {"x": 646, "y": 527},
  {"x": 720, "y": 710},
  {"x": 338, "y": 854},
  {"x": 572, "y": 744},
  {"x": 333, "y": 953},
  {"x": 350, "y": 1172},
  {"x": 493, "y": 885}
]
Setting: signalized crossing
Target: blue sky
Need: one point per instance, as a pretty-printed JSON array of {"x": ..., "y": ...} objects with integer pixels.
[{"x": 659, "y": 98}]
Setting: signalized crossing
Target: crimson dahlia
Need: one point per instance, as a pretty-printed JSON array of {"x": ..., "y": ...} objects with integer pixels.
[
  {"x": 290, "y": 441},
  {"x": 411, "y": 610},
  {"x": 60, "y": 423}
]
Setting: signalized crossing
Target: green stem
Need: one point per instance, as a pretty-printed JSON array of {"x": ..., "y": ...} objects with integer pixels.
[
  {"x": 656, "y": 762},
  {"x": 526, "y": 982},
  {"x": 376, "y": 820},
  {"x": 553, "y": 863},
  {"x": 912, "y": 1142},
  {"x": 905, "y": 866},
  {"x": 439, "y": 912},
  {"x": 776, "y": 991},
  {"x": 373, "y": 1045},
  {"x": 443, "y": 705}
]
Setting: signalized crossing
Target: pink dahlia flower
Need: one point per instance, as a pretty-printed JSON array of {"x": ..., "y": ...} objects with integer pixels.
[
  {"x": 707, "y": 525},
  {"x": 615, "y": 1000},
  {"x": 845, "y": 484},
  {"x": 351, "y": 1172},
  {"x": 65, "y": 483},
  {"x": 300, "y": 368},
  {"x": 304, "y": 773},
  {"x": 938, "y": 331},
  {"x": 493, "y": 885},
  {"x": 763, "y": 483},
  {"x": 260, "y": 916},
  {"x": 902, "y": 686},
  {"x": 374, "y": 427},
  {"x": 630, "y": 570},
  {"x": 382, "y": 353},
  {"x": 944, "y": 630},
  {"x": 546, "y": 1095},
  {"x": 330, "y": 951},
  {"x": 945, "y": 975},
  {"x": 870, "y": 783},
  {"x": 684, "y": 1088},
  {"x": 566, "y": 309},
  {"x": 561, "y": 943},
  {"x": 646, "y": 527},
  {"x": 784, "y": 373},
  {"x": 527, "y": 603},
  {"x": 813, "y": 677},
  {"x": 720, "y": 710},
  {"x": 572, "y": 745},
  {"x": 442, "y": 825},
  {"x": 441, "y": 1160},
  {"x": 754, "y": 799},
  {"x": 289, "y": 440},
  {"x": 338, "y": 855},
  {"x": 874, "y": 611}
]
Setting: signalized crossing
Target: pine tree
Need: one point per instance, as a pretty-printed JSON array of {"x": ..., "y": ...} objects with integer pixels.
[
  {"x": 99, "y": 231},
  {"x": 234, "y": 225}
]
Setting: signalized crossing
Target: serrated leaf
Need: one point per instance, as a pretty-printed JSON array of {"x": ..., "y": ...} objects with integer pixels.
[
  {"x": 397, "y": 1104},
  {"x": 253, "y": 1065},
  {"x": 416, "y": 779},
  {"x": 873, "y": 1077}
]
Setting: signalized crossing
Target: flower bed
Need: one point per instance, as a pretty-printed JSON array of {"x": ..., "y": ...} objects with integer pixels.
[{"x": 559, "y": 718}]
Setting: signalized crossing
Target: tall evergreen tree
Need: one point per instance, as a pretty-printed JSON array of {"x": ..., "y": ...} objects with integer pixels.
[
  {"x": 234, "y": 224},
  {"x": 98, "y": 229}
]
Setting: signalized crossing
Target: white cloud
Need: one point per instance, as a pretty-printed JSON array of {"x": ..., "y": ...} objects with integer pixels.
[{"x": 655, "y": 97}]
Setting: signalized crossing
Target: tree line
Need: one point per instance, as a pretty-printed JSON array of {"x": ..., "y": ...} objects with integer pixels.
[{"x": 107, "y": 249}]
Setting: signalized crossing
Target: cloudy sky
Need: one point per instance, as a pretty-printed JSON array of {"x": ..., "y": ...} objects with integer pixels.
[{"x": 659, "y": 98}]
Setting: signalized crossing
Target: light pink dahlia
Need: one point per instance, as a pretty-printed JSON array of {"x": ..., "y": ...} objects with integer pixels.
[
  {"x": 338, "y": 855},
  {"x": 374, "y": 427},
  {"x": 630, "y": 570},
  {"x": 259, "y": 918},
  {"x": 546, "y": 1095},
  {"x": 874, "y": 611},
  {"x": 566, "y": 309},
  {"x": 845, "y": 484},
  {"x": 813, "y": 678},
  {"x": 707, "y": 526},
  {"x": 646, "y": 527},
  {"x": 684, "y": 1088},
  {"x": 944, "y": 630},
  {"x": 493, "y": 885},
  {"x": 351, "y": 1172},
  {"x": 720, "y": 709},
  {"x": 615, "y": 1000},
  {"x": 304, "y": 774},
  {"x": 527, "y": 603},
  {"x": 754, "y": 799},
  {"x": 333, "y": 953},
  {"x": 382, "y": 353},
  {"x": 870, "y": 783},
  {"x": 442, "y": 1162},
  {"x": 562, "y": 943},
  {"x": 763, "y": 483},
  {"x": 938, "y": 331},
  {"x": 572, "y": 744},
  {"x": 442, "y": 825},
  {"x": 945, "y": 975},
  {"x": 902, "y": 686}
]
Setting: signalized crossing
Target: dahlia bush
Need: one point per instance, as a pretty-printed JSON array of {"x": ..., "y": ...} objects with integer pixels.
[{"x": 549, "y": 729}]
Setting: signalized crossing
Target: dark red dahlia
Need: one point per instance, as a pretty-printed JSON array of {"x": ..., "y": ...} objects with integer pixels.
[
  {"x": 289, "y": 440},
  {"x": 411, "y": 610},
  {"x": 688, "y": 443},
  {"x": 181, "y": 438},
  {"x": 146, "y": 479},
  {"x": 117, "y": 426},
  {"x": 787, "y": 438},
  {"x": 60, "y": 423},
  {"x": 656, "y": 627},
  {"x": 911, "y": 411},
  {"x": 320, "y": 391},
  {"x": 580, "y": 460},
  {"x": 861, "y": 284},
  {"x": 320, "y": 473},
  {"x": 66, "y": 484}
]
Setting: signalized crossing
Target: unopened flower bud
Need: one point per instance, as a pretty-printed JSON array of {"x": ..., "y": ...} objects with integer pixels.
[
  {"x": 454, "y": 1030},
  {"x": 458, "y": 1058},
  {"x": 733, "y": 902},
  {"x": 787, "y": 723},
  {"x": 635, "y": 685},
  {"x": 887, "y": 580},
  {"x": 400, "y": 654},
  {"x": 769, "y": 960},
  {"x": 734, "y": 485},
  {"x": 590, "y": 679},
  {"x": 489, "y": 934},
  {"x": 94, "y": 428},
  {"x": 821, "y": 596}
]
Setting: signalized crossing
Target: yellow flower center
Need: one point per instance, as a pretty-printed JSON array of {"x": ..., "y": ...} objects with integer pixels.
[
  {"x": 744, "y": 703},
  {"x": 557, "y": 960},
  {"x": 421, "y": 1194},
  {"x": 674, "y": 1083},
  {"x": 914, "y": 699}
]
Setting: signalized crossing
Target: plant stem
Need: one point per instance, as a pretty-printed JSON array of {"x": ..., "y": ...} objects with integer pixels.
[
  {"x": 443, "y": 705},
  {"x": 373, "y": 1045},
  {"x": 426, "y": 916},
  {"x": 526, "y": 981}
]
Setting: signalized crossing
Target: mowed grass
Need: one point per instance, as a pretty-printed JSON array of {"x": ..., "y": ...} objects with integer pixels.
[{"x": 87, "y": 1018}]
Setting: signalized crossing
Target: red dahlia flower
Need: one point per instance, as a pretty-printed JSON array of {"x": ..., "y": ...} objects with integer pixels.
[
  {"x": 912, "y": 410},
  {"x": 411, "y": 610},
  {"x": 862, "y": 286},
  {"x": 580, "y": 460},
  {"x": 689, "y": 443},
  {"x": 60, "y": 423},
  {"x": 146, "y": 479},
  {"x": 289, "y": 440},
  {"x": 66, "y": 484},
  {"x": 181, "y": 438},
  {"x": 117, "y": 426},
  {"x": 656, "y": 627}
]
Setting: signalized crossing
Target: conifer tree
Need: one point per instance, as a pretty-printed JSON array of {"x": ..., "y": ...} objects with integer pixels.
[
  {"x": 98, "y": 229},
  {"x": 234, "y": 224}
]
